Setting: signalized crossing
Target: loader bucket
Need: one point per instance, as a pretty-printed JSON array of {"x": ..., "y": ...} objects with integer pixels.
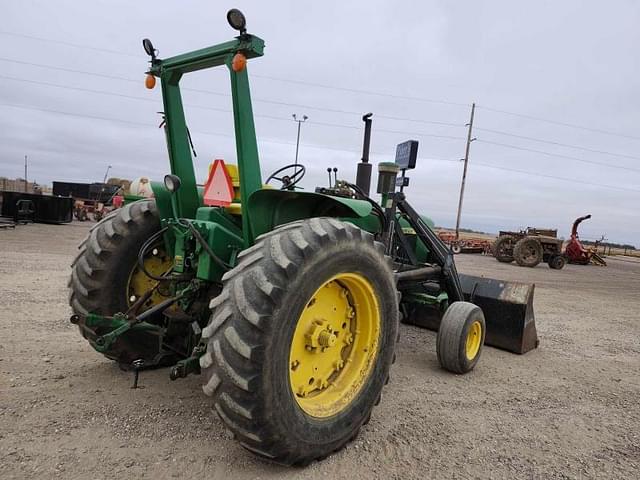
[
  {"x": 507, "y": 308},
  {"x": 508, "y": 311}
]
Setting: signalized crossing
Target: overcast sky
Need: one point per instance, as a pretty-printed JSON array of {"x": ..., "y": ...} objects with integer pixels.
[{"x": 572, "y": 62}]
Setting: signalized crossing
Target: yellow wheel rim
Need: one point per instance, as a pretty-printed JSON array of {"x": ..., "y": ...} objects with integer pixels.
[
  {"x": 156, "y": 262},
  {"x": 334, "y": 345},
  {"x": 474, "y": 337}
]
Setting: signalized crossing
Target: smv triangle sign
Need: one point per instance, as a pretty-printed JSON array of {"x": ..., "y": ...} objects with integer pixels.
[{"x": 218, "y": 192}]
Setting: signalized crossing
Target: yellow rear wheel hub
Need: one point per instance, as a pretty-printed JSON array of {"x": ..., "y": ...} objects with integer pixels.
[
  {"x": 157, "y": 263},
  {"x": 334, "y": 345},
  {"x": 474, "y": 338}
]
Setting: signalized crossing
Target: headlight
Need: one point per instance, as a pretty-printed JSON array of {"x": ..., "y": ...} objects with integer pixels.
[{"x": 172, "y": 183}]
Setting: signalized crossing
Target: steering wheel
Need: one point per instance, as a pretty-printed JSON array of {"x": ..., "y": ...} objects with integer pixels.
[{"x": 288, "y": 181}]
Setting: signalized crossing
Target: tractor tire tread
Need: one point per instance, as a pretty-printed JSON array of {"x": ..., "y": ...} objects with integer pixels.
[
  {"x": 495, "y": 249},
  {"x": 232, "y": 364},
  {"x": 448, "y": 340},
  {"x": 89, "y": 280},
  {"x": 519, "y": 256}
]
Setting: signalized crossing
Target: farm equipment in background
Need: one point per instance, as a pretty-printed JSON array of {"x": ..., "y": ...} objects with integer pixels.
[
  {"x": 575, "y": 251},
  {"x": 83, "y": 208},
  {"x": 35, "y": 207},
  {"x": 530, "y": 247},
  {"x": 534, "y": 245},
  {"x": 286, "y": 301},
  {"x": 91, "y": 200},
  {"x": 465, "y": 245}
]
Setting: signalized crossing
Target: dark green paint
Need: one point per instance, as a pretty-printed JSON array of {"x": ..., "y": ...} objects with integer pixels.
[
  {"x": 271, "y": 208},
  {"x": 170, "y": 71}
]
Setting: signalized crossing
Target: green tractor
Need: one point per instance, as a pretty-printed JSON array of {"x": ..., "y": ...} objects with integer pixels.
[{"x": 286, "y": 302}]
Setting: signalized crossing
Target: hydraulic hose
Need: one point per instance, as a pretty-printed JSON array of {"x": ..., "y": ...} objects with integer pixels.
[
  {"x": 376, "y": 207},
  {"x": 143, "y": 250},
  {"x": 204, "y": 244}
]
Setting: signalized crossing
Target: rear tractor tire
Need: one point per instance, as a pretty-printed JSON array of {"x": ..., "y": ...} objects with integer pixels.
[
  {"x": 301, "y": 340},
  {"x": 528, "y": 252},
  {"x": 105, "y": 277},
  {"x": 503, "y": 249},
  {"x": 460, "y": 337}
]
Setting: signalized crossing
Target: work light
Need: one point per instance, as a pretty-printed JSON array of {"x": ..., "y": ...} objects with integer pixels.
[
  {"x": 148, "y": 48},
  {"x": 237, "y": 21}
]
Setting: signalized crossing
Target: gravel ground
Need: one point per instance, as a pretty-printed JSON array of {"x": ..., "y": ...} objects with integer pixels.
[{"x": 570, "y": 409}]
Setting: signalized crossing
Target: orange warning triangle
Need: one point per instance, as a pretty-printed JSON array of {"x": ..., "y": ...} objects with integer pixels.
[{"x": 218, "y": 192}]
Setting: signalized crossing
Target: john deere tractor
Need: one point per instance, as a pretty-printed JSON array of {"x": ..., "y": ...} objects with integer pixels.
[{"x": 287, "y": 302}]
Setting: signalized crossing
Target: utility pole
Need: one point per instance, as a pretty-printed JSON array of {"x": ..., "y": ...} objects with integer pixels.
[
  {"x": 25, "y": 174},
  {"x": 104, "y": 180},
  {"x": 304, "y": 119},
  {"x": 464, "y": 171}
]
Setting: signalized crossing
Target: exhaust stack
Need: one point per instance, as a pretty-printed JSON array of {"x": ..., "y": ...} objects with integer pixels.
[{"x": 363, "y": 175}]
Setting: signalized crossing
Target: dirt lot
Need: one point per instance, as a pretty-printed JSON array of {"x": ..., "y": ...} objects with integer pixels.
[{"x": 567, "y": 410}]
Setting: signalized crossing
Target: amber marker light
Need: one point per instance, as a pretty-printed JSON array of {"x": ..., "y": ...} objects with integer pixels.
[
  {"x": 239, "y": 62},
  {"x": 150, "y": 81}
]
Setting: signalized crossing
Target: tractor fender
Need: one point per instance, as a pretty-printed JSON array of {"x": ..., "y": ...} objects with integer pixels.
[{"x": 269, "y": 208}]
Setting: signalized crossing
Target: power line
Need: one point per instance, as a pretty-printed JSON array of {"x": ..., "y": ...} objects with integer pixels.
[
  {"x": 102, "y": 92},
  {"x": 146, "y": 125},
  {"x": 215, "y": 134},
  {"x": 80, "y": 89},
  {"x": 317, "y": 123},
  {"x": 551, "y": 142},
  {"x": 572, "y": 180},
  {"x": 69, "y": 44},
  {"x": 266, "y": 77},
  {"x": 68, "y": 70},
  {"x": 555, "y": 122},
  {"x": 550, "y": 154},
  {"x": 211, "y": 92},
  {"x": 346, "y": 89},
  {"x": 357, "y": 90},
  {"x": 270, "y": 117}
]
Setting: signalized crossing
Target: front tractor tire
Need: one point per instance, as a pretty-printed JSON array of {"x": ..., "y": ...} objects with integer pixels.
[
  {"x": 460, "y": 337},
  {"x": 105, "y": 278},
  {"x": 557, "y": 262},
  {"x": 301, "y": 339}
]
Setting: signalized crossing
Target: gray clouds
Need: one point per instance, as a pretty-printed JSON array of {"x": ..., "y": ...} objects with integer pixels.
[{"x": 574, "y": 62}]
